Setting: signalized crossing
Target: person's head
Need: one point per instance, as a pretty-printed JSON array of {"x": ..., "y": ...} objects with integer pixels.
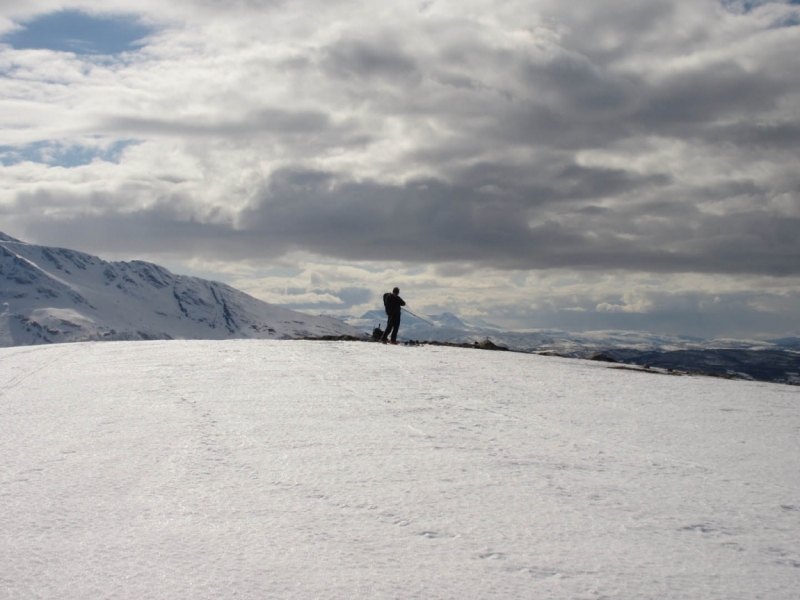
[{"x": 396, "y": 291}]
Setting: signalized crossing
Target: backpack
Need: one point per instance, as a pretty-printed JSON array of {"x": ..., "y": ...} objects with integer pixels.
[
  {"x": 386, "y": 297},
  {"x": 377, "y": 333}
]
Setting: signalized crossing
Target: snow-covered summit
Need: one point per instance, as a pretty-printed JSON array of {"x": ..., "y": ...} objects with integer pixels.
[
  {"x": 298, "y": 469},
  {"x": 59, "y": 295}
]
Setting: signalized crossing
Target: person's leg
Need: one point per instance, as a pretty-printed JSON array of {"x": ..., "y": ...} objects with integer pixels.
[
  {"x": 389, "y": 325},
  {"x": 395, "y": 328}
]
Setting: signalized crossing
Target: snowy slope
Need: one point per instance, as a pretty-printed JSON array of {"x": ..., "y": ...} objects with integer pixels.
[
  {"x": 289, "y": 469},
  {"x": 59, "y": 295}
]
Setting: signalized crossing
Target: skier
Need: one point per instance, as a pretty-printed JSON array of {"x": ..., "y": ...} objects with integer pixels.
[{"x": 392, "y": 302}]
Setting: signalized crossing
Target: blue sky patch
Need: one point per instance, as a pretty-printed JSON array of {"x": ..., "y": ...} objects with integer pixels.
[
  {"x": 60, "y": 155},
  {"x": 80, "y": 33},
  {"x": 790, "y": 21},
  {"x": 745, "y": 6}
]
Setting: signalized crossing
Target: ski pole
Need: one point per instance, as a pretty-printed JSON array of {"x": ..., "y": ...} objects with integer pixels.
[{"x": 420, "y": 318}]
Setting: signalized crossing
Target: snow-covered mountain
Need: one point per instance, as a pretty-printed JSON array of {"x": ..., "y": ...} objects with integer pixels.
[{"x": 58, "y": 295}]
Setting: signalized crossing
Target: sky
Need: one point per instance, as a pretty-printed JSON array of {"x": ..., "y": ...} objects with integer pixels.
[{"x": 538, "y": 164}]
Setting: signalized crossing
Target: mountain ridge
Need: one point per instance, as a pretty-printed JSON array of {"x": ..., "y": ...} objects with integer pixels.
[{"x": 52, "y": 295}]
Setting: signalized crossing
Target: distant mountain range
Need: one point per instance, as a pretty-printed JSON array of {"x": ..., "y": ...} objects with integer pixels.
[
  {"x": 775, "y": 360},
  {"x": 50, "y": 295}
]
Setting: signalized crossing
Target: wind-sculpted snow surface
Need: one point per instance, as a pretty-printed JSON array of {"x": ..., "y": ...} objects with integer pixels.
[
  {"x": 58, "y": 295},
  {"x": 280, "y": 469}
]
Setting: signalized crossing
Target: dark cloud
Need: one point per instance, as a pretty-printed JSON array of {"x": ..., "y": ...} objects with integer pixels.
[
  {"x": 279, "y": 121},
  {"x": 581, "y": 86},
  {"x": 714, "y": 93},
  {"x": 369, "y": 61},
  {"x": 755, "y": 136},
  {"x": 428, "y": 222}
]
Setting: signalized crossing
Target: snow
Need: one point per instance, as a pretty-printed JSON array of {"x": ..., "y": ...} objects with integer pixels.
[
  {"x": 55, "y": 316},
  {"x": 294, "y": 469}
]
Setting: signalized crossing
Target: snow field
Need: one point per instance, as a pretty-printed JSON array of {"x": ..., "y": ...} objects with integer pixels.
[{"x": 289, "y": 469}]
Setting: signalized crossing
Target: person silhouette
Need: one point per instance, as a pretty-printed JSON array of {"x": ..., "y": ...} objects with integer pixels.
[{"x": 393, "y": 304}]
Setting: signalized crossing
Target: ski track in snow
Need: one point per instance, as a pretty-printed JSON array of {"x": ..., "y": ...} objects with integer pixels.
[{"x": 289, "y": 469}]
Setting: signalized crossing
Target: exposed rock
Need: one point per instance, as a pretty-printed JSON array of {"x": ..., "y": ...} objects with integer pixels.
[
  {"x": 603, "y": 358},
  {"x": 490, "y": 345}
]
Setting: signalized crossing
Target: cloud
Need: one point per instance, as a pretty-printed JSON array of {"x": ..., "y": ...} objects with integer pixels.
[
  {"x": 652, "y": 140},
  {"x": 555, "y": 225}
]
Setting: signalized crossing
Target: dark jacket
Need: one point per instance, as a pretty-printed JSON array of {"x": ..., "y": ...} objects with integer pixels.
[{"x": 392, "y": 304}]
